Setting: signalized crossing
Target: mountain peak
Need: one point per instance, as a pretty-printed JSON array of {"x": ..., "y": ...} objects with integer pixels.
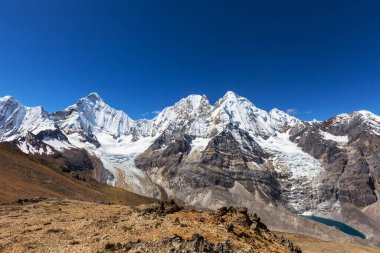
[
  {"x": 232, "y": 98},
  {"x": 92, "y": 114},
  {"x": 230, "y": 94},
  {"x": 93, "y": 96},
  {"x": 194, "y": 97},
  {"x": 195, "y": 100},
  {"x": 277, "y": 112},
  {"x": 8, "y": 98},
  {"x": 367, "y": 115},
  {"x": 91, "y": 100}
]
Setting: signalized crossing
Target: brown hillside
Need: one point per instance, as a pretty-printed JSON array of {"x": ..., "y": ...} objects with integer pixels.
[
  {"x": 75, "y": 226},
  {"x": 24, "y": 177}
]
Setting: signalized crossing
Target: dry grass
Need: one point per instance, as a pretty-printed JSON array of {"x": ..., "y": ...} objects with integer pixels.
[{"x": 74, "y": 226}]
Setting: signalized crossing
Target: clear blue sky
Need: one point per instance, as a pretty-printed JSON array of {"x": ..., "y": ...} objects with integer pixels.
[{"x": 320, "y": 58}]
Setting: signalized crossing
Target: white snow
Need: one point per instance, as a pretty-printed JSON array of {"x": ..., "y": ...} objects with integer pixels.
[
  {"x": 59, "y": 145},
  {"x": 192, "y": 112},
  {"x": 123, "y": 145},
  {"x": 199, "y": 144},
  {"x": 117, "y": 156},
  {"x": 287, "y": 155},
  {"x": 92, "y": 114},
  {"x": 36, "y": 120},
  {"x": 241, "y": 112},
  {"x": 341, "y": 140},
  {"x": 29, "y": 149},
  {"x": 303, "y": 168},
  {"x": 49, "y": 151},
  {"x": 24, "y": 147},
  {"x": 280, "y": 119},
  {"x": 5, "y": 98},
  {"x": 369, "y": 116},
  {"x": 17, "y": 120},
  {"x": 370, "y": 119}
]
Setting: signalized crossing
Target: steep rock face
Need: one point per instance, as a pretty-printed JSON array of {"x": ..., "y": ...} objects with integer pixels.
[
  {"x": 165, "y": 151},
  {"x": 185, "y": 168},
  {"x": 347, "y": 145},
  {"x": 233, "y": 144}
]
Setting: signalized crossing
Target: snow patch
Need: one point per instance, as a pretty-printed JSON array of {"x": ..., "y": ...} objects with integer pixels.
[
  {"x": 59, "y": 145},
  {"x": 117, "y": 156},
  {"x": 288, "y": 155},
  {"x": 199, "y": 144},
  {"x": 26, "y": 148},
  {"x": 341, "y": 140}
]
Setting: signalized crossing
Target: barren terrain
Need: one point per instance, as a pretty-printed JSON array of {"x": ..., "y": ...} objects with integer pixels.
[{"x": 74, "y": 226}]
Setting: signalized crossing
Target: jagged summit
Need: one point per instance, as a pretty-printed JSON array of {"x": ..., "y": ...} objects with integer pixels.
[
  {"x": 230, "y": 94},
  {"x": 232, "y": 97},
  {"x": 94, "y": 96},
  {"x": 357, "y": 118},
  {"x": 194, "y": 101},
  {"x": 9, "y": 100},
  {"x": 6, "y": 98},
  {"x": 92, "y": 99},
  {"x": 280, "y": 120},
  {"x": 92, "y": 114},
  {"x": 189, "y": 112},
  {"x": 193, "y": 113},
  {"x": 367, "y": 115}
]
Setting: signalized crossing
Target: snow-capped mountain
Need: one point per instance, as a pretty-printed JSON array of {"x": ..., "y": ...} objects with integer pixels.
[
  {"x": 190, "y": 115},
  {"x": 211, "y": 155},
  {"x": 241, "y": 112},
  {"x": 91, "y": 114},
  {"x": 17, "y": 119}
]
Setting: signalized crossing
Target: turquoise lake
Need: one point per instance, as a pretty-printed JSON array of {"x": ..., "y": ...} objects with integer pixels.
[{"x": 339, "y": 225}]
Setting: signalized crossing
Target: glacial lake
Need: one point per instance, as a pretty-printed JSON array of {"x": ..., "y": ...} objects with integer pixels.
[{"x": 339, "y": 225}]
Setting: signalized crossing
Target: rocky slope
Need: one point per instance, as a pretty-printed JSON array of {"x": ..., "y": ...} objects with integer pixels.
[
  {"x": 68, "y": 226},
  {"x": 208, "y": 156}
]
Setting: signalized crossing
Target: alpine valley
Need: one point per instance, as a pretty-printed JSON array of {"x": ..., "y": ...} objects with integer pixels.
[{"x": 209, "y": 156}]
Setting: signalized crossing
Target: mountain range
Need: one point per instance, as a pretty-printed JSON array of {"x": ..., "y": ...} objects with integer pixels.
[{"x": 208, "y": 156}]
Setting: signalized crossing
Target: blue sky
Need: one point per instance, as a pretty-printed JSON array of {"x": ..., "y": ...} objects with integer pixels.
[{"x": 318, "y": 58}]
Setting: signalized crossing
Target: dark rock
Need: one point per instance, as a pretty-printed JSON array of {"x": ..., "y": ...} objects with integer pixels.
[{"x": 162, "y": 208}]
